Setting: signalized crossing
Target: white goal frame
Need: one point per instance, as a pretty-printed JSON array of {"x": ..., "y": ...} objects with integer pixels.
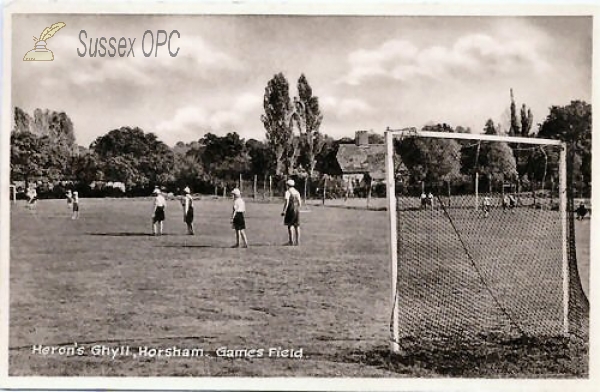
[{"x": 390, "y": 134}]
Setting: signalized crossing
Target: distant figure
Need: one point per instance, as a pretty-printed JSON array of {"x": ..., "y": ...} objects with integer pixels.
[
  {"x": 581, "y": 211},
  {"x": 238, "y": 220},
  {"x": 158, "y": 213},
  {"x": 487, "y": 205},
  {"x": 513, "y": 201},
  {"x": 423, "y": 201},
  {"x": 505, "y": 202},
  {"x": 188, "y": 210},
  {"x": 430, "y": 200},
  {"x": 69, "y": 199},
  {"x": 291, "y": 213},
  {"x": 509, "y": 202},
  {"x": 349, "y": 190},
  {"x": 31, "y": 197},
  {"x": 75, "y": 202}
]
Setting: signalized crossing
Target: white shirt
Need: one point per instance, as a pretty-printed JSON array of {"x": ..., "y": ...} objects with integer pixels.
[
  {"x": 239, "y": 205},
  {"x": 160, "y": 201},
  {"x": 292, "y": 192}
]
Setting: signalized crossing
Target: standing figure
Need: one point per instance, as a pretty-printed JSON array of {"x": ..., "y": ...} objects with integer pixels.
[
  {"x": 581, "y": 211},
  {"x": 423, "y": 201},
  {"x": 75, "y": 202},
  {"x": 238, "y": 221},
  {"x": 505, "y": 202},
  {"x": 513, "y": 202},
  {"x": 31, "y": 197},
  {"x": 158, "y": 213},
  {"x": 291, "y": 213},
  {"x": 487, "y": 205},
  {"x": 188, "y": 210},
  {"x": 430, "y": 200},
  {"x": 69, "y": 200}
]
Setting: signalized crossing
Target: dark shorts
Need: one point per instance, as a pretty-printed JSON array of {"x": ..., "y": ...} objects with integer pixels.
[
  {"x": 75, "y": 207},
  {"x": 292, "y": 217},
  {"x": 239, "y": 222},
  {"x": 159, "y": 214},
  {"x": 189, "y": 217}
]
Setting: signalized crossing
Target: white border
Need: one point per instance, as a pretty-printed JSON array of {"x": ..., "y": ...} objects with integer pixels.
[{"x": 273, "y": 8}]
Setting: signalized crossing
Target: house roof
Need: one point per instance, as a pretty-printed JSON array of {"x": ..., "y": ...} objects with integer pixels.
[{"x": 368, "y": 158}]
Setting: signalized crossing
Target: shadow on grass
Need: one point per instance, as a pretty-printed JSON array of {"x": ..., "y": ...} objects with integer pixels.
[
  {"x": 215, "y": 246},
  {"x": 527, "y": 357},
  {"x": 124, "y": 234}
]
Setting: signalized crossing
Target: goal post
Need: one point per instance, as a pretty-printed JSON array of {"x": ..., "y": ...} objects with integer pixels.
[
  {"x": 13, "y": 193},
  {"x": 500, "y": 270}
]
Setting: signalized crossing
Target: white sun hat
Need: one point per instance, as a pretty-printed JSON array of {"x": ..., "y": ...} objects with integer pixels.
[
  {"x": 290, "y": 182},
  {"x": 187, "y": 189},
  {"x": 236, "y": 192}
]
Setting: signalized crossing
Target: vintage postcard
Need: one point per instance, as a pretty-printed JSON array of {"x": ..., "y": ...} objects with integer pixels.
[{"x": 297, "y": 196}]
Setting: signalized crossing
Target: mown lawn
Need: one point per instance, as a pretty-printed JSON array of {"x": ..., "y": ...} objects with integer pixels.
[{"x": 104, "y": 280}]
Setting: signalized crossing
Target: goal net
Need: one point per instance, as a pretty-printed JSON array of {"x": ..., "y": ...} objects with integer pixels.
[{"x": 482, "y": 242}]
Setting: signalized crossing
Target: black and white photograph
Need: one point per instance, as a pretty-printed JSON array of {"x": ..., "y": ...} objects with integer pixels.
[{"x": 248, "y": 196}]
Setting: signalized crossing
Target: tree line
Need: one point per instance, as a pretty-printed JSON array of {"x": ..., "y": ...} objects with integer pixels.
[{"x": 44, "y": 149}]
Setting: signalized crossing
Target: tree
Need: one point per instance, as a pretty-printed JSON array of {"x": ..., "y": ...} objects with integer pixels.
[
  {"x": 277, "y": 121},
  {"x": 308, "y": 120},
  {"x": 50, "y": 135},
  {"x": 224, "y": 158},
  {"x": 490, "y": 128},
  {"x": 431, "y": 160},
  {"x": 85, "y": 168},
  {"x": 514, "y": 123},
  {"x": 526, "y": 120},
  {"x": 27, "y": 156},
  {"x": 572, "y": 124},
  {"x": 261, "y": 158},
  {"x": 327, "y": 162},
  {"x": 496, "y": 161},
  {"x": 135, "y": 158}
]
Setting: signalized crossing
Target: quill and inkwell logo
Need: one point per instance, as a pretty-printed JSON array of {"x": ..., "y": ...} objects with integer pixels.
[{"x": 40, "y": 52}]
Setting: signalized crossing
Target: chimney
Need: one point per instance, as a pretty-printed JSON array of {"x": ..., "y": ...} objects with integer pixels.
[{"x": 362, "y": 138}]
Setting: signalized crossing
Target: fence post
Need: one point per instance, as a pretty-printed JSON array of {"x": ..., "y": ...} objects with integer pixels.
[
  {"x": 254, "y": 188},
  {"x": 265, "y": 188},
  {"x": 324, "y": 189},
  {"x": 270, "y": 187},
  {"x": 476, "y": 191}
]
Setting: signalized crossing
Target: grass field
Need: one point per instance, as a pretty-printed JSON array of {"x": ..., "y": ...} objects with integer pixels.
[{"x": 103, "y": 280}]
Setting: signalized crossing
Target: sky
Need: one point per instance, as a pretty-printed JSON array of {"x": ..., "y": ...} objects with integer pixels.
[{"x": 369, "y": 72}]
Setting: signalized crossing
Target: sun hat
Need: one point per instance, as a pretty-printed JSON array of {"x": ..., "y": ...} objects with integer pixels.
[
  {"x": 156, "y": 191},
  {"x": 290, "y": 182},
  {"x": 236, "y": 192},
  {"x": 187, "y": 189}
]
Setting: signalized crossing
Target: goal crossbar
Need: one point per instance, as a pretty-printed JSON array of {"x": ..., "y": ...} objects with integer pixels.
[{"x": 474, "y": 136}]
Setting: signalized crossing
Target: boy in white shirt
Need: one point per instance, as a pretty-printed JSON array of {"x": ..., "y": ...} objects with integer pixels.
[
  {"x": 158, "y": 214},
  {"x": 238, "y": 220}
]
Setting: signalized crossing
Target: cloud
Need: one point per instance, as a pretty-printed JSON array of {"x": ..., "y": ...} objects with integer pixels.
[
  {"x": 196, "y": 59},
  {"x": 476, "y": 55},
  {"x": 194, "y": 120},
  {"x": 345, "y": 107}
]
